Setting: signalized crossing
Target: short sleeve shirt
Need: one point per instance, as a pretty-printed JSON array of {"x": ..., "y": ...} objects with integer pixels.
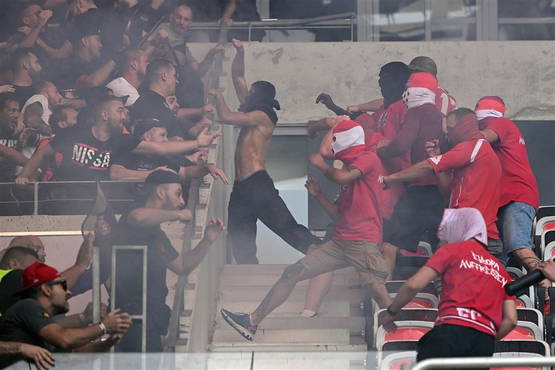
[
  {"x": 518, "y": 182},
  {"x": 473, "y": 284},
  {"x": 22, "y": 323},
  {"x": 153, "y": 105},
  {"x": 359, "y": 202},
  {"x": 84, "y": 157},
  {"x": 7, "y": 166},
  {"x": 476, "y": 179},
  {"x": 445, "y": 102}
]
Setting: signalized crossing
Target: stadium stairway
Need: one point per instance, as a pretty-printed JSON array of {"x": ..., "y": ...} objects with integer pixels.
[{"x": 338, "y": 327}]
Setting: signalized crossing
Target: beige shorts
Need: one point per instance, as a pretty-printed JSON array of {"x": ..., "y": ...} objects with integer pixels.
[{"x": 365, "y": 257}]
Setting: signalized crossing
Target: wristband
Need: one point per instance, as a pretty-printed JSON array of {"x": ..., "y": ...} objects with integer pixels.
[
  {"x": 390, "y": 312},
  {"x": 103, "y": 328}
]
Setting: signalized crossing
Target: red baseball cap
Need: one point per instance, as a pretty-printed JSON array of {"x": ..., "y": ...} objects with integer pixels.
[{"x": 36, "y": 274}]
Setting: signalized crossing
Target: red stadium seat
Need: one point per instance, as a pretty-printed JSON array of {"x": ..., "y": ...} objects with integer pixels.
[
  {"x": 406, "y": 331},
  {"x": 395, "y": 361},
  {"x": 525, "y": 330}
]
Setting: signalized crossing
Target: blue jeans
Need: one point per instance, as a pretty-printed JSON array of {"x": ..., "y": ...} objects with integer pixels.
[{"x": 515, "y": 227}]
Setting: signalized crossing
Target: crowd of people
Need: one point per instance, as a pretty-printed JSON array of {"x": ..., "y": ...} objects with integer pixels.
[{"x": 113, "y": 92}]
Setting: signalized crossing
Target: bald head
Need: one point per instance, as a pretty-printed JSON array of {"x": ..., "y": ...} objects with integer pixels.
[{"x": 32, "y": 242}]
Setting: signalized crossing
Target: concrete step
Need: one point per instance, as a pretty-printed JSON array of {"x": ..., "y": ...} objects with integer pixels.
[
  {"x": 353, "y": 324},
  {"x": 278, "y": 337},
  {"x": 270, "y": 279},
  {"x": 292, "y": 308},
  {"x": 290, "y": 350},
  {"x": 256, "y": 294},
  {"x": 267, "y": 269}
]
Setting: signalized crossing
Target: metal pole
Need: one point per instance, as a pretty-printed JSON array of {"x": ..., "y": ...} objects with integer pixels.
[
  {"x": 428, "y": 20},
  {"x": 36, "y": 198},
  {"x": 483, "y": 362},
  {"x": 96, "y": 283},
  {"x": 145, "y": 297}
]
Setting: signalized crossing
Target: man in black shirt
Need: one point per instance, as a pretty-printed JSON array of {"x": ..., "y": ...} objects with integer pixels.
[
  {"x": 141, "y": 226},
  {"x": 10, "y": 157},
  {"x": 30, "y": 320},
  {"x": 26, "y": 70},
  {"x": 88, "y": 152}
]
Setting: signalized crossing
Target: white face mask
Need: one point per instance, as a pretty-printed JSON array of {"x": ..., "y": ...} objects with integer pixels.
[
  {"x": 484, "y": 113},
  {"x": 346, "y": 139},
  {"x": 417, "y": 96},
  {"x": 461, "y": 224}
]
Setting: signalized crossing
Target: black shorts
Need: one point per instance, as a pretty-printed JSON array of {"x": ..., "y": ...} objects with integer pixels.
[{"x": 449, "y": 340}]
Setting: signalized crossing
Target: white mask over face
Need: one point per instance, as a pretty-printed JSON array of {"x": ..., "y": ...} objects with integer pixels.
[
  {"x": 417, "y": 96},
  {"x": 484, "y": 113},
  {"x": 461, "y": 224}
]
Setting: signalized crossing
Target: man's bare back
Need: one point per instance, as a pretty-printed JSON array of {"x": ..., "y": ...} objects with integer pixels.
[{"x": 252, "y": 145}]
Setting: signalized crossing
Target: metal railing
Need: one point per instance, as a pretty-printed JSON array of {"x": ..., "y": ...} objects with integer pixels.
[{"x": 483, "y": 362}]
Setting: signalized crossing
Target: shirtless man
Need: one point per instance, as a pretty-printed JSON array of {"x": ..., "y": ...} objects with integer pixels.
[{"x": 254, "y": 195}]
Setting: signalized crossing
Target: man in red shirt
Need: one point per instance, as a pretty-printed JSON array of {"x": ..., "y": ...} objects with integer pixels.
[
  {"x": 476, "y": 172},
  {"x": 519, "y": 190},
  {"x": 357, "y": 235},
  {"x": 474, "y": 309},
  {"x": 419, "y": 209}
]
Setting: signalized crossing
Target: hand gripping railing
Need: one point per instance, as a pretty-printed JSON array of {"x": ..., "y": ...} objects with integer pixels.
[{"x": 483, "y": 362}]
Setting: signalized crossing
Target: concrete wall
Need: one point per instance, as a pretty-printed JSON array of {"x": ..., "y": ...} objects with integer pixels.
[{"x": 522, "y": 72}]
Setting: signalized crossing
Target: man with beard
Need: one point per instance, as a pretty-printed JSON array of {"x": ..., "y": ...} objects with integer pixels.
[
  {"x": 254, "y": 195},
  {"x": 26, "y": 69},
  {"x": 141, "y": 226},
  {"x": 476, "y": 172},
  {"x": 45, "y": 295},
  {"x": 132, "y": 75},
  {"x": 10, "y": 157},
  {"x": 89, "y": 151},
  {"x": 357, "y": 235}
]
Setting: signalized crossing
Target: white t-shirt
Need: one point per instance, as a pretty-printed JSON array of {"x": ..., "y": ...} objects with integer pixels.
[
  {"x": 120, "y": 88},
  {"x": 46, "y": 112}
]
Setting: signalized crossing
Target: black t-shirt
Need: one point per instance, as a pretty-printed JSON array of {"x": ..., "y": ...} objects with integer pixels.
[
  {"x": 77, "y": 67},
  {"x": 23, "y": 93},
  {"x": 153, "y": 105},
  {"x": 87, "y": 158},
  {"x": 22, "y": 323},
  {"x": 7, "y": 166},
  {"x": 160, "y": 253}
]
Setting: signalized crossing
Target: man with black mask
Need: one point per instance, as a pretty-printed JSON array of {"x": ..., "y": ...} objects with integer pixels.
[{"x": 254, "y": 195}]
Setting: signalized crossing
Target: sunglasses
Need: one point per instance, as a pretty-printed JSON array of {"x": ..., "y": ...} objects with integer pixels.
[{"x": 63, "y": 283}]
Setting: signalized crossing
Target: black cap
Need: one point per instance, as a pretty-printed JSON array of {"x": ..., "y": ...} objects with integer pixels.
[
  {"x": 162, "y": 177},
  {"x": 144, "y": 125}
]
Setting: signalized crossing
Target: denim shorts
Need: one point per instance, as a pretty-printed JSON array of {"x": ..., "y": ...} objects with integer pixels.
[{"x": 515, "y": 224}]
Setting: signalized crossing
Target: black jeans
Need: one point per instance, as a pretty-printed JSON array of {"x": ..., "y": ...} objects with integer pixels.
[
  {"x": 257, "y": 198},
  {"x": 455, "y": 341},
  {"x": 419, "y": 210}
]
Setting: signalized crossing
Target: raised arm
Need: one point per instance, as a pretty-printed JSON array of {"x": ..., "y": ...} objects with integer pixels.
[
  {"x": 339, "y": 176},
  {"x": 235, "y": 118},
  {"x": 329, "y": 103},
  {"x": 175, "y": 147},
  {"x": 98, "y": 77},
  {"x": 188, "y": 261},
  {"x": 83, "y": 260},
  {"x": 370, "y": 106},
  {"x": 238, "y": 71},
  {"x": 147, "y": 217},
  {"x": 204, "y": 66}
]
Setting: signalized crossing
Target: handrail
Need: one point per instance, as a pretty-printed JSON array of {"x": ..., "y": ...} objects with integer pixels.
[
  {"x": 483, "y": 362},
  {"x": 272, "y": 22}
]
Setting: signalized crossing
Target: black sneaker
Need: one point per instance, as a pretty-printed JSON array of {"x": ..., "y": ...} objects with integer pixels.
[{"x": 240, "y": 322}]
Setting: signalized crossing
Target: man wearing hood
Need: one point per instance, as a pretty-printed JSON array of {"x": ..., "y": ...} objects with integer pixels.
[
  {"x": 519, "y": 190},
  {"x": 357, "y": 237},
  {"x": 254, "y": 195},
  {"x": 469, "y": 319},
  {"x": 476, "y": 172}
]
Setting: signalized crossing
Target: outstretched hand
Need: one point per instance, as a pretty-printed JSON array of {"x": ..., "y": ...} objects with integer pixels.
[
  {"x": 325, "y": 99},
  {"x": 312, "y": 187},
  {"x": 213, "y": 229}
]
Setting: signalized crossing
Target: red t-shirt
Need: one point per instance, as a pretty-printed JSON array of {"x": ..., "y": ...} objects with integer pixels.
[
  {"x": 476, "y": 179},
  {"x": 445, "y": 102},
  {"x": 473, "y": 284},
  {"x": 359, "y": 202},
  {"x": 368, "y": 123},
  {"x": 518, "y": 182},
  {"x": 421, "y": 124}
]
